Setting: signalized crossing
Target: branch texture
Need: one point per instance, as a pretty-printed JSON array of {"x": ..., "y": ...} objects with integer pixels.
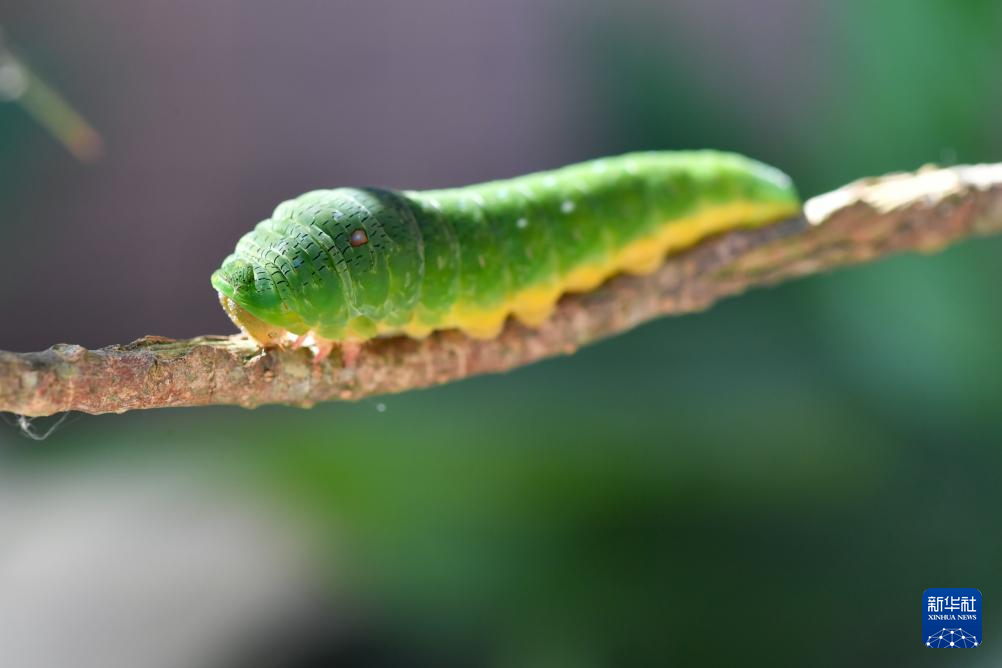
[{"x": 866, "y": 220}]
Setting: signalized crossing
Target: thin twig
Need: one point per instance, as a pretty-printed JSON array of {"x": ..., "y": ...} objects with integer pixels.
[{"x": 866, "y": 220}]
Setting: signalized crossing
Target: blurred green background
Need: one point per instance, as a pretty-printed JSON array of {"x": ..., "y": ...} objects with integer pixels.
[{"x": 773, "y": 482}]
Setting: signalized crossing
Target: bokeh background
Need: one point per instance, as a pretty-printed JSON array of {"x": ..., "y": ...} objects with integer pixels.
[{"x": 773, "y": 482}]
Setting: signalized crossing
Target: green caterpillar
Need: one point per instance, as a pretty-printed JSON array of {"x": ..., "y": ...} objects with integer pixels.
[{"x": 345, "y": 265}]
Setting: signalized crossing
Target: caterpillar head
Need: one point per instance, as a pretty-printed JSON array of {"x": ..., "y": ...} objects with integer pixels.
[
  {"x": 330, "y": 262},
  {"x": 237, "y": 289}
]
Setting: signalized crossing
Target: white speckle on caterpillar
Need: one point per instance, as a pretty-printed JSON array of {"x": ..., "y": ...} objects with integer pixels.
[
  {"x": 381, "y": 407},
  {"x": 522, "y": 223},
  {"x": 435, "y": 203},
  {"x": 567, "y": 206},
  {"x": 526, "y": 191},
  {"x": 631, "y": 167},
  {"x": 478, "y": 200},
  {"x": 503, "y": 193},
  {"x": 550, "y": 182},
  {"x": 599, "y": 166}
]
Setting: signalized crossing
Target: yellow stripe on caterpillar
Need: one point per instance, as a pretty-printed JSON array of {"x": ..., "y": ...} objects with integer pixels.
[{"x": 642, "y": 256}]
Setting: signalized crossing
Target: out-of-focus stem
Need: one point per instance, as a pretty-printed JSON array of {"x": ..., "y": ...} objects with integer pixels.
[{"x": 18, "y": 83}]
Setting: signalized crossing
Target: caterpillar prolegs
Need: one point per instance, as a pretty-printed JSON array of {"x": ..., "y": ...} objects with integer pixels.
[{"x": 349, "y": 264}]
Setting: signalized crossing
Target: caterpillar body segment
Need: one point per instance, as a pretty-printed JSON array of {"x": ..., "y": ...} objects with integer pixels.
[{"x": 349, "y": 264}]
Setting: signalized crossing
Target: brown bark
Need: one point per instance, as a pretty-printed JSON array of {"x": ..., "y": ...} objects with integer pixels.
[{"x": 865, "y": 220}]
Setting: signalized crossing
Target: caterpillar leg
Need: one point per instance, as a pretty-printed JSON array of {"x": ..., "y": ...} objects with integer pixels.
[
  {"x": 322, "y": 349},
  {"x": 350, "y": 351},
  {"x": 270, "y": 336}
]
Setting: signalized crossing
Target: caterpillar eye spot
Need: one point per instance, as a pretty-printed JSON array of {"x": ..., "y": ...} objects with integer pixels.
[{"x": 358, "y": 238}]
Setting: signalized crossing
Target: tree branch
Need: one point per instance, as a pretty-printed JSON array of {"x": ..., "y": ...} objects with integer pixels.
[{"x": 863, "y": 221}]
